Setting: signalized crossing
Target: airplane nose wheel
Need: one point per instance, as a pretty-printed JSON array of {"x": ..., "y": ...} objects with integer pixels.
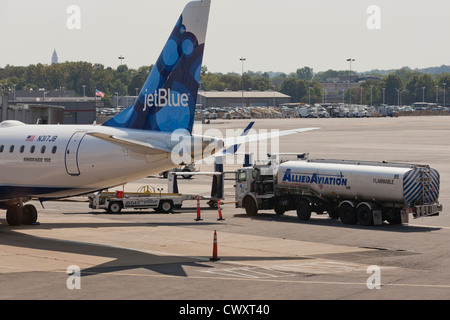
[{"x": 16, "y": 215}]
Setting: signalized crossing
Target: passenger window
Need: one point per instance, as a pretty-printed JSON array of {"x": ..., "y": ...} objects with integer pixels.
[
  {"x": 11, "y": 149},
  {"x": 43, "y": 149},
  {"x": 22, "y": 149},
  {"x": 32, "y": 149},
  {"x": 2, "y": 147},
  {"x": 54, "y": 149}
]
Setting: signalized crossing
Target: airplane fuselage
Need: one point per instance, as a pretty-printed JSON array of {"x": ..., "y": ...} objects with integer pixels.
[{"x": 51, "y": 161}]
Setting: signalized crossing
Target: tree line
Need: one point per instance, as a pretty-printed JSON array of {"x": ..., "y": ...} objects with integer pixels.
[{"x": 404, "y": 85}]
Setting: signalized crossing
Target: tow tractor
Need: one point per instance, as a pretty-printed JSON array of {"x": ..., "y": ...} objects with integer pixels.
[{"x": 148, "y": 197}]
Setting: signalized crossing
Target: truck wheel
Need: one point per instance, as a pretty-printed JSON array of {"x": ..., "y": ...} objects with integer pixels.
[
  {"x": 347, "y": 213},
  {"x": 165, "y": 206},
  {"x": 333, "y": 211},
  {"x": 250, "y": 206},
  {"x": 115, "y": 207},
  {"x": 212, "y": 204},
  {"x": 394, "y": 216},
  {"x": 303, "y": 210},
  {"x": 365, "y": 215},
  {"x": 187, "y": 176},
  {"x": 278, "y": 207}
]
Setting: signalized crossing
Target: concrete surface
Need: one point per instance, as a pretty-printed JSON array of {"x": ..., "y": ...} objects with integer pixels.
[{"x": 147, "y": 255}]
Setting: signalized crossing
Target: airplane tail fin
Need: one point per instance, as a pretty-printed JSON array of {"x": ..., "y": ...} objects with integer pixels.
[{"x": 168, "y": 98}]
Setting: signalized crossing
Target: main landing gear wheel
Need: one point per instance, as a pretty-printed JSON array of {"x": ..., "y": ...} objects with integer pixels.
[
  {"x": 16, "y": 215},
  {"x": 29, "y": 214}
]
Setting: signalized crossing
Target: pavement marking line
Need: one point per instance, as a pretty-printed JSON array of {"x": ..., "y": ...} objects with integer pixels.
[
  {"x": 426, "y": 226},
  {"x": 277, "y": 280},
  {"x": 249, "y": 272}
]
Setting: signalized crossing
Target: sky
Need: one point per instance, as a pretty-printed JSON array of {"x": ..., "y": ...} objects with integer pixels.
[{"x": 279, "y": 36}]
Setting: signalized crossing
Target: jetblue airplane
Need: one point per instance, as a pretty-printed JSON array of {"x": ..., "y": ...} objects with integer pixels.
[{"x": 60, "y": 161}]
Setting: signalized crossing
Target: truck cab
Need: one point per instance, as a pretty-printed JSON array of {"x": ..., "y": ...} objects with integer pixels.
[
  {"x": 255, "y": 188},
  {"x": 244, "y": 181}
]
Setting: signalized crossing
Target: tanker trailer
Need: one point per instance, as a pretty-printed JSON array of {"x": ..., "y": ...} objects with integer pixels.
[{"x": 361, "y": 192}]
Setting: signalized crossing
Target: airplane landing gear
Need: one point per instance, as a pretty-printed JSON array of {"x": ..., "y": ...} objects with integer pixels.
[
  {"x": 29, "y": 214},
  {"x": 17, "y": 215}
]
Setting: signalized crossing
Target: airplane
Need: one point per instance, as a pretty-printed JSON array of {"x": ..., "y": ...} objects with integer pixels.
[{"x": 47, "y": 162}]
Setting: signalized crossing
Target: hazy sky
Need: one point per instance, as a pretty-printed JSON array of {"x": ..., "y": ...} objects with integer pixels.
[{"x": 275, "y": 35}]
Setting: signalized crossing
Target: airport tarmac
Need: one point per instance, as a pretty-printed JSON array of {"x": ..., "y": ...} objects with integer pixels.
[{"x": 148, "y": 255}]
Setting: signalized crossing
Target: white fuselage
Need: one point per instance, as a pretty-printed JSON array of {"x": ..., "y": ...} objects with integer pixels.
[{"x": 51, "y": 161}]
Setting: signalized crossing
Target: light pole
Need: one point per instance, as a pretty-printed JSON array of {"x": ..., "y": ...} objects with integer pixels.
[
  {"x": 436, "y": 86},
  {"x": 84, "y": 90},
  {"x": 371, "y": 86},
  {"x": 423, "y": 94},
  {"x": 121, "y": 59},
  {"x": 384, "y": 91},
  {"x": 361, "y": 90},
  {"x": 309, "y": 95},
  {"x": 444, "y": 84},
  {"x": 242, "y": 80},
  {"x": 349, "y": 74}
]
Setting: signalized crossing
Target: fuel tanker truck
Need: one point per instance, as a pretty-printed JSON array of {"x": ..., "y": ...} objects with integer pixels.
[{"x": 361, "y": 192}]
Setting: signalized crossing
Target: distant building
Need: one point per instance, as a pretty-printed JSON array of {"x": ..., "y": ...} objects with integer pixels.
[
  {"x": 335, "y": 88},
  {"x": 29, "y": 113},
  {"x": 226, "y": 99},
  {"x": 54, "y": 57},
  {"x": 77, "y": 110}
]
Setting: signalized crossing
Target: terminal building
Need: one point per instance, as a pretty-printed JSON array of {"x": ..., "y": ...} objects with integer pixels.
[
  {"x": 227, "y": 99},
  {"x": 75, "y": 110},
  {"x": 29, "y": 113},
  {"x": 224, "y": 99}
]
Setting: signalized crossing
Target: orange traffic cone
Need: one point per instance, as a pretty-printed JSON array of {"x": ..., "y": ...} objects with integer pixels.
[
  {"x": 214, "y": 256},
  {"x": 220, "y": 211},
  {"x": 198, "y": 210}
]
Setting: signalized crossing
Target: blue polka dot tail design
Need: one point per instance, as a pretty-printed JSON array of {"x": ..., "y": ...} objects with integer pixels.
[{"x": 167, "y": 100}]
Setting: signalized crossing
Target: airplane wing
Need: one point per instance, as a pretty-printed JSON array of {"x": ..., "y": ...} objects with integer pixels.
[
  {"x": 150, "y": 147},
  {"x": 231, "y": 145}
]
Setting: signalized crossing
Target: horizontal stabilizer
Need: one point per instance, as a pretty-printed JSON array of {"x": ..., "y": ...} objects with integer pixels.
[
  {"x": 229, "y": 142},
  {"x": 231, "y": 149}
]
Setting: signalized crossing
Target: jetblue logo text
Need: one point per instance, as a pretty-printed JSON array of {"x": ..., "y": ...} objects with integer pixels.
[
  {"x": 314, "y": 178},
  {"x": 164, "y": 97}
]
